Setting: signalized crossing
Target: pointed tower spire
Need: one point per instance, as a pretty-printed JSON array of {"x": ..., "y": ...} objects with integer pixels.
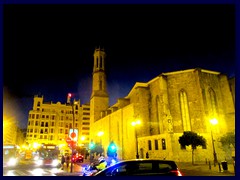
[{"x": 99, "y": 98}]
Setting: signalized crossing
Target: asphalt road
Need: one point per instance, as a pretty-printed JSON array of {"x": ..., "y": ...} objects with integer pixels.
[{"x": 27, "y": 168}]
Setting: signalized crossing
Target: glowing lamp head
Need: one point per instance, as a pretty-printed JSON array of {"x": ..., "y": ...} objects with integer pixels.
[
  {"x": 91, "y": 145},
  {"x": 136, "y": 123},
  {"x": 214, "y": 121},
  {"x": 113, "y": 148}
]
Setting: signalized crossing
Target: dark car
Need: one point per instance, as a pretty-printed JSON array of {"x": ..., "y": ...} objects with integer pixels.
[
  {"x": 141, "y": 167},
  {"x": 77, "y": 158}
]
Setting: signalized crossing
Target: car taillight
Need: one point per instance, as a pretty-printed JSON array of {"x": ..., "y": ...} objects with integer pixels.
[{"x": 177, "y": 172}]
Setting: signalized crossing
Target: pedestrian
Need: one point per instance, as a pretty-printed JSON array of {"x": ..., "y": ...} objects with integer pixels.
[
  {"x": 67, "y": 160},
  {"x": 62, "y": 161}
]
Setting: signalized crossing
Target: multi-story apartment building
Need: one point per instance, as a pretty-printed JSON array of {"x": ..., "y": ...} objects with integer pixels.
[{"x": 51, "y": 123}]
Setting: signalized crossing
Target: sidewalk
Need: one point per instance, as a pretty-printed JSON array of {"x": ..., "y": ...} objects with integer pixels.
[{"x": 203, "y": 167}]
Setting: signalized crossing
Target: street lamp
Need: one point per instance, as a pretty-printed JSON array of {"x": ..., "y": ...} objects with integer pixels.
[
  {"x": 214, "y": 122},
  {"x": 82, "y": 141},
  {"x": 100, "y": 133},
  {"x": 135, "y": 123},
  {"x": 73, "y": 133},
  {"x": 82, "y": 138}
]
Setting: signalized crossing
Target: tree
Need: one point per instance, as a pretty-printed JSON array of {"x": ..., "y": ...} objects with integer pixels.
[
  {"x": 99, "y": 149},
  {"x": 96, "y": 148},
  {"x": 82, "y": 150},
  {"x": 228, "y": 139},
  {"x": 191, "y": 138}
]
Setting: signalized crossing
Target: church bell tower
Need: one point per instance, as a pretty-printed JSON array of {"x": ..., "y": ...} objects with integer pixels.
[{"x": 99, "y": 99}]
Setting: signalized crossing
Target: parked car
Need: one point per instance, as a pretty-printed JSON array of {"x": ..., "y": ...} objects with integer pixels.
[
  {"x": 141, "y": 167},
  {"x": 77, "y": 158}
]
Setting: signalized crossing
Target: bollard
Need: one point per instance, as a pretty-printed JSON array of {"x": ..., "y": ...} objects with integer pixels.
[
  {"x": 219, "y": 166},
  {"x": 209, "y": 165}
]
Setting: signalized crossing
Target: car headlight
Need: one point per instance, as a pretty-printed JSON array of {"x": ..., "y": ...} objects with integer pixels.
[
  {"x": 12, "y": 162},
  {"x": 39, "y": 162},
  {"x": 36, "y": 158},
  {"x": 55, "y": 162}
]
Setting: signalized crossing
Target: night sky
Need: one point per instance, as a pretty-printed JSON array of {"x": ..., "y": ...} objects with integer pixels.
[{"x": 48, "y": 49}]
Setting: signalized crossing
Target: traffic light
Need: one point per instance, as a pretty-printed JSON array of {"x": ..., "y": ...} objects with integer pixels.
[
  {"x": 91, "y": 145},
  {"x": 112, "y": 150}
]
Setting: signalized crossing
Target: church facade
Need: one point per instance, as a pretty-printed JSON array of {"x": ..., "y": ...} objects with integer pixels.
[{"x": 166, "y": 106}]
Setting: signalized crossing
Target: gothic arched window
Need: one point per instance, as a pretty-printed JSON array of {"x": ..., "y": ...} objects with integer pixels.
[
  {"x": 213, "y": 103},
  {"x": 184, "y": 111},
  {"x": 157, "y": 110},
  {"x": 97, "y": 61},
  {"x": 100, "y": 83},
  {"x": 101, "y": 62}
]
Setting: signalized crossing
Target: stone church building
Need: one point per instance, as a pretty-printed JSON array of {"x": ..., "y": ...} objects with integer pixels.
[{"x": 166, "y": 106}]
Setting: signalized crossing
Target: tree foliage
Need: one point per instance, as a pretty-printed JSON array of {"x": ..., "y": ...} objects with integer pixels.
[
  {"x": 191, "y": 138},
  {"x": 97, "y": 148},
  {"x": 228, "y": 139},
  {"x": 81, "y": 150}
]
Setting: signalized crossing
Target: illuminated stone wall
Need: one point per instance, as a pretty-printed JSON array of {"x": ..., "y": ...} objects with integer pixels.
[{"x": 157, "y": 104}]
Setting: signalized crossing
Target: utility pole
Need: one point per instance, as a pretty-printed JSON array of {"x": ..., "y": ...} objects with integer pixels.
[{"x": 72, "y": 142}]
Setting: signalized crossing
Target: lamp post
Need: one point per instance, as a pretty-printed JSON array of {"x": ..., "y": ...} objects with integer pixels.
[
  {"x": 214, "y": 122},
  {"x": 73, "y": 133},
  {"x": 100, "y": 134},
  {"x": 82, "y": 140},
  {"x": 134, "y": 124}
]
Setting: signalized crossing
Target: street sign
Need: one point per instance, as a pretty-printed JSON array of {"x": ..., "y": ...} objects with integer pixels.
[
  {"x": 73, "y": 134},
  {"x": 68, "y": 140}
]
